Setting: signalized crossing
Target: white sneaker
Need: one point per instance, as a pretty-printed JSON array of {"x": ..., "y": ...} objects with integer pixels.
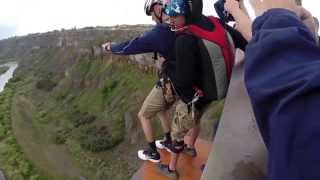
[
  {"x": 162, "y": 144},
  {"x": 148, "y": 155},
  {"x": 159, "y": 144}
]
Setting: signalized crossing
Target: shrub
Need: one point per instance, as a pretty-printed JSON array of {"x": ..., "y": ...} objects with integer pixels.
[
  {"x": 97, "y": 139},
  {"x": 60, "y": 136},
  {"x": 81, "y": 119},
  {"x": 15, "y": 79},
  {"x": 109, "y": 87},
  {"x": 2, "y": 132},
  {"x": 45, "y": 85}
]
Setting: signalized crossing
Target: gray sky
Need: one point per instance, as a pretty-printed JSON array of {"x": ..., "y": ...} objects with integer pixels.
[
  {"x": 7, "y": 30},
  {"x": 19, "y": 17}
]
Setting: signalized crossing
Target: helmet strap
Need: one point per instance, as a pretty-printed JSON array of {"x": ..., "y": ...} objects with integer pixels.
[
  {"x": 180, "y": 29},
  {"x": 159, "y": 17}
]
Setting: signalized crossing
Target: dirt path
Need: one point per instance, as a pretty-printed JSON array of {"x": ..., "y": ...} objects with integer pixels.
[{"x": 53, "y": 160}]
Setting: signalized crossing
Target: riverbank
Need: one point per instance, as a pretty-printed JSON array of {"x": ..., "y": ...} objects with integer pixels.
[
  {"x": 4, "y": 69},
  {"x": 12, "y": 160},
  {"x": 9, "y": 69}
]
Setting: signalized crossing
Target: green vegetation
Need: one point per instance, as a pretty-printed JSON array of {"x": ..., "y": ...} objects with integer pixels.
[
  {"x": 97, "y": 139},
  {"x": 86, "y": 117},
  {"x": 12, "y": 159},
  {"x": 3, "y": 69},
  {"x": 45, "y": 84}
]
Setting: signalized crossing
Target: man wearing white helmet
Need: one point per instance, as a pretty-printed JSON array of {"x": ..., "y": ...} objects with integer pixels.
[
  {"x": 154, "y": 8},
  {"x": 161, "y": 40}
]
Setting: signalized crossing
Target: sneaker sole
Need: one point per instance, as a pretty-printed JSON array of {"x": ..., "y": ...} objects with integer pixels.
[
  {"x": 159, "y": 145},
  {"x": 141, "y": 155},
  {"x": 167, "y": 149}
]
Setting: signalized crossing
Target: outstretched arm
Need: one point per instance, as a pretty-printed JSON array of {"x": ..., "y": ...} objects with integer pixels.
[{"x": 148, "y": 42}]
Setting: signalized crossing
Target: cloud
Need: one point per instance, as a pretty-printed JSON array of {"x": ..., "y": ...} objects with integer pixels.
[{"x": 7, "y": 31}]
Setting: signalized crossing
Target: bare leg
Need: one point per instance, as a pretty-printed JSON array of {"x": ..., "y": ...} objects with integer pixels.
[
  {"x": 146, "y": 127},
  {"x": 165, "y": 121},
  {"x": 193, "y": 134},
  {"x": 173, "y": 161}
]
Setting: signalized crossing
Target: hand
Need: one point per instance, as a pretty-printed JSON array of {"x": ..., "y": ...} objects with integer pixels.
[
  {"x": 262, "y": 6},
  {"x": 307, "y": 18},
  {"x": 159, "y": 63},
  {"x": 106, "y": 46},
  {"x": 243, "y": 21},
  {"x": 291, "y": 5},
  {"x": 231, "y": 6}
]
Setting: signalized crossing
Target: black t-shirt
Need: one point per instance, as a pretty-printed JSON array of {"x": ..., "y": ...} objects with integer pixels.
[{"x": 191, "y": 63}]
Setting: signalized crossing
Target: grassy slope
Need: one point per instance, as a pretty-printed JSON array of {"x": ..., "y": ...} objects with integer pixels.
[
  {"x": 12, "y": 159},
  {"x": 41, "y": 115},
  {"x": 3, "y": 69}
]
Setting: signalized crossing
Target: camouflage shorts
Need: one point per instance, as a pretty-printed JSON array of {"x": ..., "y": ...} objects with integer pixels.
[{"x": 182, "y": 121}]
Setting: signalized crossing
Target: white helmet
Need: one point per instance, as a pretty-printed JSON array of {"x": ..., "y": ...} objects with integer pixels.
[{"x": 148, "y": 6}]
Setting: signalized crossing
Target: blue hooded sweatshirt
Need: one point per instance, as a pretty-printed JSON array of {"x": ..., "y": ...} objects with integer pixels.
[
  {"x": 160, "y": 39},
  {"x": 282, "y": 75}
]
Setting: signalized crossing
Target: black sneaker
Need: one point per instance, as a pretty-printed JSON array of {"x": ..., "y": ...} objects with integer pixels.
[
  {"x": 164, "y": 169},
  {"x": 189, "y": 151},
  {"x": 149, "y": 155},
  {"x": 163, "y": 144}
]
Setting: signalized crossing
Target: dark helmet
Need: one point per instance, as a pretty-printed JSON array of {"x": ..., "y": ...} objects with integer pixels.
[{"x": 148, "y": 6}]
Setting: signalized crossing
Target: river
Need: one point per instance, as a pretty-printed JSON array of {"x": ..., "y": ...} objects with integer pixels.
[{"x": 5, "y": 77}]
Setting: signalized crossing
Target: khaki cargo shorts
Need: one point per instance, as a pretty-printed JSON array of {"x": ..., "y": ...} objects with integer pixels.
[
  {"x": 183, "y": 120},
  {"x": 155, "y": 102}
]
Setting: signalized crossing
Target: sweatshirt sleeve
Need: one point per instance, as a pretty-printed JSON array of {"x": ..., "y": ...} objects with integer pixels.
[
  {"x": 146, "y": 43},
  {"x": 282, "y": 75}
]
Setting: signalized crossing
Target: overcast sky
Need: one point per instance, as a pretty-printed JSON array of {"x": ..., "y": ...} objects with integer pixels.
[{"x": 20, "y": 17}]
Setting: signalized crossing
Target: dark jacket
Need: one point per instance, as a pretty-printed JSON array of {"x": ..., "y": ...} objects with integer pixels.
[{"x": 282, "y": 75}]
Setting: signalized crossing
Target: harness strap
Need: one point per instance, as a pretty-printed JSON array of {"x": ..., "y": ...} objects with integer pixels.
[{"x": 191, "y": 105}]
